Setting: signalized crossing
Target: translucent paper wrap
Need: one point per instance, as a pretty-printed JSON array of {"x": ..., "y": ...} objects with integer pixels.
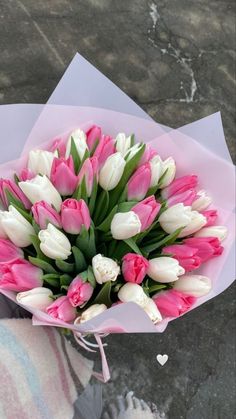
[{"x": 198, "y": 148}]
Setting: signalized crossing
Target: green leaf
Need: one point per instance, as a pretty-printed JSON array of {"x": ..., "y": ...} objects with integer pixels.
[
  {"x": 35, "y": 226},
  {"x": 52, "y": 279},
  {"x": 103, "y": 296},
  {"x": 65, "y": 266},
  {"x": 85, "y": 157},
  {"x": 36, "y": 243},
  {"x": 45, "y": 266},
  {"x": 75, "y": 155},
  {"x": 91, "y": 277},
  {"x": 167, "y": 240},
  {"x": 92, "y": 151},
  {"x": 101, "y": 207},
  {"x": 65, "y": 279},
  {"x": 106, "y": 224},
  {"x": 157, "y": 287},
  {"x": 161, "y": 179},
  {"x": 80, "y": 262},
  {"x": 131, "y": 243},
  {"x": 128, "y": 171},
  {"x": 64, "y": 287},
  {"x": 92, "y": 199},
  {"x": 126, "y": 206},
  {"x": 132, "y": 140},
  {"x": 12, "y": 200},
  {"x": 16, "y": 179},
  {"x": 24, "y": 213}
]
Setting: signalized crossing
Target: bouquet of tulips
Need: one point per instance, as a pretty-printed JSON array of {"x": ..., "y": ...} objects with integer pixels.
[{"x": 93, "y": 221}]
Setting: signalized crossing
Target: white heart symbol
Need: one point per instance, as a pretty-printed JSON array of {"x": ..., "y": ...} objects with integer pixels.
[{"x": 162, "y": 359}]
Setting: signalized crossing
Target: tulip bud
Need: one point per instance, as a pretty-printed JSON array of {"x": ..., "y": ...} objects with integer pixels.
[
  {"x": 93, "y": 134},
  {"x": 123, "y": 143},
  {"x": 133, "y": 293},
  {"x": 62, "y": 309},
  {"x": 41, "y": 189},
  {"x": 207, "y": 247},
  {"x": 54, "y": 243},
  {"x": 187, "y": 256},
  {"x": 175, "y": 217},
  {"x": 147, "y": 156},
  {"x": 139, "y": 183},
  {"x": 147, "y": 211},
  {"x": 58, "y": 146},
  {"x": 125, "y": 225},
  {"x": 186, "y": 198},
  {"x": 10, "y": 186},
  {"x": 39, "y": 298},
  {"x": 180, "y": 185},
  {"x": 112, "y": 171},
  {"x": 152, "y": 311},
  {"x": 74, "y": 215},
  {"x": 202, "y": 201},
  {"x": 173, "y": 303},
  {"x": 215, "y": 231},
  {"x": 132, "y": 151},
  {"x": 40, "y": 162},
  {"x": 20, "y": 275},
  {"x": 16, "y": 227},
  {"x": 134, "y": 268},
  {"x": 26, "y": 174},
  {"x": 169, "y": 167},
  {"x": 156, "y": 170},
  {"x": 164, "y": 269},
  {"x": 79, "y": 292},
  {"x": 91, "y": 312},
  {"x": 63, "y": 176},
  {"x": 9, "y": 252},
  {"x": 105, "y": 148},
  {"x": 196, "y": 223},
  {"x": 105, "y": 269},
  {"x": 89, "y": 171},
  {"x": 79, "y": 138},
  {"x": 211, "y": 216},
  {"x": 194, "y": 285},
  {"x": 43, "y": 214}
]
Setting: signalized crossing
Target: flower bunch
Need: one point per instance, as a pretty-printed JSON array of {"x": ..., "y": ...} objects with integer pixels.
[{"x": 95, "y": 221}]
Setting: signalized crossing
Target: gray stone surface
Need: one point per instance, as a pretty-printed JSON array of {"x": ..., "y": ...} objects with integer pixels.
[{"x": 176, "y": 58}]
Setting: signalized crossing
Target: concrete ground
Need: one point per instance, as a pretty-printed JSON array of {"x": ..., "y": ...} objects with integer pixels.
[{"x": 176, "y": 59}]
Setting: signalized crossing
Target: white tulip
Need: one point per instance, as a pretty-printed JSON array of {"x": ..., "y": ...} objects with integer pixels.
[
  {"x": 112, "y": 171},
  {"x": 16, "y": 227},
  {"x": 40, "y": 162},
  {"x": 156, "y": 170},
  {"x": 152, "y": 311},
  {"x": 125, "y": 225},
  {"x": 91, "y": 312},
  {"x": 54, "y": 243},
  {"x": 195, "y": 285},
  {"x": 170, "y": 166},
  {"x": 104, "y": 269},
  {"x": 3, "y": 235},
  {"x": 175, "y": 217},
  {"x": 214, "y": 231},
  {"x": 134, "y": 293},
  {"x": 202, "y": 202},
  {"x": 164, "y": 269},
  {"x": 133, "y": 150},
  {"x": 41, "y": 189},
  {"x": 39, "y": 298},
  {"x": 79, "y": 138},
  {"x": 123, "y": 143},
  {"x": 196, "y": 223}
]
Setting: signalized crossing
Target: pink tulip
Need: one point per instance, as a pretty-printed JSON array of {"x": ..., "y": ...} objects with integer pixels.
[
  {"x": 9, "y": 252},
  {"x": 139, "y": 183},
  {"x": 147, "y": 211},
  {"x": 134, "y": 267},
  {"x": 186, "y": 198},
  {"x": 9, "y": 185},
  {"x": 208, "y": 247},
  {"x": 148, "y": 154},
  {"x": 58, "y": 145},
  {"x": 173, "y": 303},
  {"x": 93, "y": 134},
  {"x": 180, "y": 185},
  {"x": 79, "y": 292},
  {"x": 26, "y": 174},
  {"x": 20, "y": 275},
  {"x": 187, "y": 256},
  {"x": 74, "y": 215},
  {"x": 105, "y": 148},
  {"x": 43, "y": 214},
  {"x": 211, "y": 216},
  {"x": 63, "y": 176},
  {"x": 89, "y": 171},
  {"x": 62, "y": 309}
]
